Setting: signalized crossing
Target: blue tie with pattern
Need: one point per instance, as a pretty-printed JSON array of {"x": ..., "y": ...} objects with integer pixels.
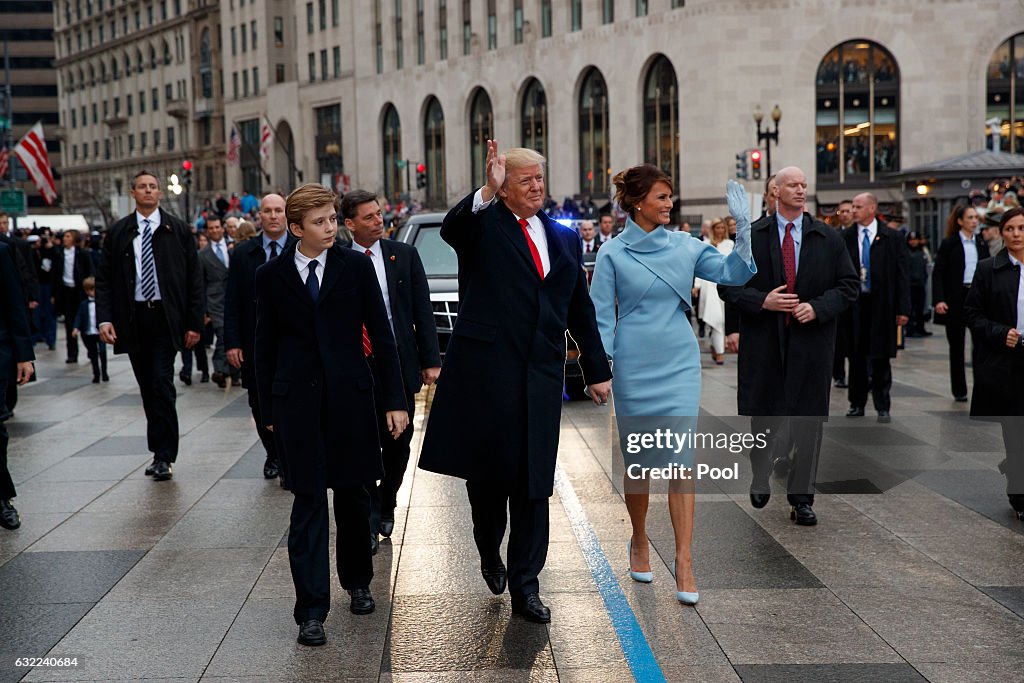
[
  {"x": 148, "y": 274},
  {"x": 312, "y": 284},
  {"x": 865, "y": 261}
]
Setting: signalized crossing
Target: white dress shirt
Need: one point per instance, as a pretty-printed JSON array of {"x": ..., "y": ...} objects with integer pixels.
[
  {"x": 589, "y": 246},
  {"x": 970, "y": 256},
  {"x": 154, "y": 224},
  {"x": 222, "y": 255},
  {"x": 1020, "y": 294},
  {"x": 90, "y": 326},
  {"x": 69, "y": 267},
  {"x": 533, "y": 225},
  {"x": 302, "y": 265},
  {"x": 872, "y": 233},
  {"x": 377, "y": 256}
]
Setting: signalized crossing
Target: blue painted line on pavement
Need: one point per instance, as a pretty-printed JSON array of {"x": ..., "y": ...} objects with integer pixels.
[{"x": 631, "y": 637}]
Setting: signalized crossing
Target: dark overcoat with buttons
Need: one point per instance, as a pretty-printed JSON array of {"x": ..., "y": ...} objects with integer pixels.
[
  {"x": 890, "y": 291},
  {"x": 313, "y": 380},
  {"x": 497, "y": 410},
  {"x": 177, "y": 272}
]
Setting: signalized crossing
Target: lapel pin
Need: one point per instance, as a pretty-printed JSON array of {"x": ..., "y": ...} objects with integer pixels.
[{"x": 392, "y": 257}]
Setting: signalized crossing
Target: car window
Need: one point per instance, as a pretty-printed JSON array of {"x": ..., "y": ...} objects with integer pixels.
[{"x": 439, "y": 259}]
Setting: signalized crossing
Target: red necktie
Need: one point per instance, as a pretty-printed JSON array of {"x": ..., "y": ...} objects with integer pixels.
[
  {"x": 533, "y": 248},
  {"x": 789, "y": 264},
  {"x": 367, "y": 346},
  {"x": 587, "y": 250}
]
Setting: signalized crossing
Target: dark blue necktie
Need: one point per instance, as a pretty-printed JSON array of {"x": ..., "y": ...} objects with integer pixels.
[
  {"x": 312, "y": 284},
  {"x": 865, "y": 260},
  {"x": 148, "y": 274}
]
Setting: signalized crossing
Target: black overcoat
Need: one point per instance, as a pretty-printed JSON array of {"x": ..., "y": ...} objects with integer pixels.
[
  {"x": 15, "y": 336},
  {"x": 948, "y": 275},
  {"x": 177, "y": 272},
  {"x": 313, "y": 380},
  {"x": 411, "y": 312},
  {"x": 991, "y": 311},
  {"x": 497, "y": 410},
  {"x": 787, "y": 370},
  {"x": 890, "y": 291},
  {"x": 83, "y": 269}
]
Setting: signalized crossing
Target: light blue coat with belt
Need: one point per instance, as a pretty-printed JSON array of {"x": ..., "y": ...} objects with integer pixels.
[{"x": 649, "y": 276}]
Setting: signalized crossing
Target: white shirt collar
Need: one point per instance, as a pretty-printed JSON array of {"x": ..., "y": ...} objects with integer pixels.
[
  {"x": 374, "y": 248},
  {"x": 302, "y": 262},
  {"x": 153, "y": 218},
  {"x": 872, "y": 228}
]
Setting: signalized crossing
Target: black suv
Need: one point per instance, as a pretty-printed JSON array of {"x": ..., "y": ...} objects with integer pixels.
[{"x": 423, "y": 231}]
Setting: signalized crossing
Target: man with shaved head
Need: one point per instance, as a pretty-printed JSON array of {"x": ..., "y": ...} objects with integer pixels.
[
  {"x": 240, "y": 310},
  {"x": 787, "y": 324},
  {"x": 882, "y": 259}
]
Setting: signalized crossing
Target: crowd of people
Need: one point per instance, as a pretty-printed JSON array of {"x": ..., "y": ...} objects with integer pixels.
[{"x": 307, "y": 322}]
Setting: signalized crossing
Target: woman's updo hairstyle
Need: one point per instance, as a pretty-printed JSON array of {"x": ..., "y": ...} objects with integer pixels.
[{"x": 633, "y": 184}]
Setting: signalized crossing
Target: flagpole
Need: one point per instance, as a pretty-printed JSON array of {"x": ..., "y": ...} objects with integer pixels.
[{"x": 8, "y": 131}]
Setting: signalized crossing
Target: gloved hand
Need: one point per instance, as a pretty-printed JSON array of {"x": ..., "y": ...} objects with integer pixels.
[{"x": 739, "y": 203}]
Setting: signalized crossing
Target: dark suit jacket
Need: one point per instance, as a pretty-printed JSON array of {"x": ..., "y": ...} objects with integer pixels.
[
  {"x": 314, "y": 382},
  {"x": 240, "y": 299},
  {"x": 890, "y": 291},
  {"x": 948, "y": 275},
  {"x": 991, "y": 311},
  {"x": 83, "y": 269},
  {"x": 177, "y": 271},
  {"x": 215, "y": 279},
  {"x": 15, "y": 337},
  {"x": 787, "y": 369},
  {"x": 498, "y": 405},
  {"x": 411, "y": 312},
  {"x": 25, "y": 265}
]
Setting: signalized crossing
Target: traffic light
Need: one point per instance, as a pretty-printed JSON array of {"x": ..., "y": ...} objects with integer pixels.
[
  {"x": 741, "y": 165},
  {"x": 421, "y": 176},
  {"x": 755, "y": 164},
  {"x": 186, "y": 176}
]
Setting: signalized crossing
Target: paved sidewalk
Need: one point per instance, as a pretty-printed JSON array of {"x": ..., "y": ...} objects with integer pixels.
[{"x": 188, "y": 580}]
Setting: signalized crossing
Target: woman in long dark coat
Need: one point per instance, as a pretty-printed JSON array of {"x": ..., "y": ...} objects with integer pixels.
[{"x": 995, "y": 313}]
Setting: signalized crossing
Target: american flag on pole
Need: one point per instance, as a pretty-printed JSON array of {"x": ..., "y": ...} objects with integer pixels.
[
  {"x": 3, "y": 160},
  {"x": 31, "y": 152},
  {"x": 234, "y": 144},
  {"x": 265, "y": 138}
]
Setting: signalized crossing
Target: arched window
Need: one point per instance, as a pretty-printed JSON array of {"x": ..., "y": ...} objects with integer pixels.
[
  {"x": 167, "y": 54},
  {"x": 114, "y": 72},
  {"x": 593, "y": 120},
  {"x": 127, "y": 65},
  {"x": 70, "y": 80},
  {"x": 661, "y": 118},
  {"x": 534, "y": 118},
  {"x": 152, "y": 57},
  {"x": 92, "y": 75},
  {"x": 392, "y": 138},
  {"x": 140, "y": 64},
  {"x": 481, "y": 129},
  {"x": 205, "y": 64},
  {"x": 1005, "y": 97},
  {"x": 857, "y": 117},
  {"x": 433, "y": 146},
  {"x": 103, "y": 72}
]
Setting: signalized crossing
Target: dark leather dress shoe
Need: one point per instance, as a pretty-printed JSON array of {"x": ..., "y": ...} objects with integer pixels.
[
  {"x": 205, "y": 378},
  {"x": 185, "y": 377},
  {"x": 362, "y": 601},
  {"x": 855, "y": 412},
  {"x": 803, "y": 515},
  {"x": 387, "y": 524},
  {"x": 532, "y": 609},
  {"x": 374, "y": 543},
  {"x": 271, "y": 470},
  {"x": 495, "y": 576},
  {"x": 9, "y": 518},
  {"x": 1016, "y": 502},
  {"x": 759, "y": 500},
  {"x": 960, "y": 399},
  {"x": 151, "y": 467},
  {"x": 884, "y": 417},
  {"x": 219, "y": 379},
  {"x": 162, "y": 471},
  {"x": 312, "y": 633}
]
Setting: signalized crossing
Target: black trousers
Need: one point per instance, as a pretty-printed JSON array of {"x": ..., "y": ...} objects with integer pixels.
[
  {"x": 863, "y": 366},
  {"x": 97, "y": 352},
  {"x": 956, "y": 334},
  {"x": 248, "y": 373},
  {"x": 800, "y": 436},
  {"x": 6, "y": 483},
  {"x": 309, "y": 555},
  {"x": 395, "y": 456},
  {"x": 202, "y": 362},
  {"x": 1013, "y": 465},
  {"x": 70, "y": 298},
  {"x": 153, "y": 365},
  {"x": 839, "y": 362},
  {"x": 493, "y": 504},
  {"x": 917, "y": 309}
]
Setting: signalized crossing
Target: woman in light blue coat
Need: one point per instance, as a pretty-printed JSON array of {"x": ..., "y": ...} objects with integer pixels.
[{"x": 641, "y": 290}]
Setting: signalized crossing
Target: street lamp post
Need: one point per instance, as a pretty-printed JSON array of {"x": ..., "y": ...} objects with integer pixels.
[{"x": 767, "y": 136}]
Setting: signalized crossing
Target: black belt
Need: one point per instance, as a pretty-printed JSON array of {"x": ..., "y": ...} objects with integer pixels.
[
  {"x": 966, "y": 285},
  {"x": 155, "y": 303}
]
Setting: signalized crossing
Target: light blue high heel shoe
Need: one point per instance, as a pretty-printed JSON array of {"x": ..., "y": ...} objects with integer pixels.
[
  {"x": 685, "y": 597},
  {"x": 642, "y": 577}
]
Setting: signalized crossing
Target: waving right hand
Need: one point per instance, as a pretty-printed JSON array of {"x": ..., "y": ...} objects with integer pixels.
[
  {"x": 495, "y": 170},
  {"x": 739, "y": 203}
]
